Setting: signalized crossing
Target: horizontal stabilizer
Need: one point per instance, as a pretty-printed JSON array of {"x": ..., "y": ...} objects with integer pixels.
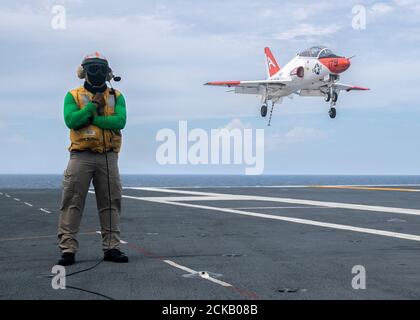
[{"x": 347, "y": 87}]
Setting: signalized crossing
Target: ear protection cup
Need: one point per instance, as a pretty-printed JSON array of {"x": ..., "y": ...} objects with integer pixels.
[
  {"x": 81, "y": 73},
  {"x": 109, "y": 75}
]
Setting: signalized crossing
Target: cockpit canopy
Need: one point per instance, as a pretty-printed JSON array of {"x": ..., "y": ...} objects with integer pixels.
[{"x": 318, "y": 52}]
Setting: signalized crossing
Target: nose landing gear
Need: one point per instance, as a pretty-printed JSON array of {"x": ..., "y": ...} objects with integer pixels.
[
  {"x": 328, "y": 97},
  {"x": 332, "y": 97}
]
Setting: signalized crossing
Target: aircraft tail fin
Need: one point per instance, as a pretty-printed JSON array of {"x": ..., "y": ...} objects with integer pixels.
[{"x": 272, "y": 66}]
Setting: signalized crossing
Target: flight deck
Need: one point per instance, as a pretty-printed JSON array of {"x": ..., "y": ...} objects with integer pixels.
[{"x": 274, "y": 242}]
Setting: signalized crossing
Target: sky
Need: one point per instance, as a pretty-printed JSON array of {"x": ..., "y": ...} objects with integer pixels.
[{"x": 165, "y": 50}]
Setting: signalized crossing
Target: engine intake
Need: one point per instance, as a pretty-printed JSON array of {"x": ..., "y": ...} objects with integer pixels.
[{"x": 299, "y": 72}]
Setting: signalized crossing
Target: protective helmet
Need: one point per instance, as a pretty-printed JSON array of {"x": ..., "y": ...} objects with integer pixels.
[{"x": 95, "y": 67}]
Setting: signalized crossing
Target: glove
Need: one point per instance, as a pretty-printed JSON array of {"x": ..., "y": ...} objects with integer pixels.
[
  {"x": 99, "y": 102},
  {"x": 88, "y": 123}
]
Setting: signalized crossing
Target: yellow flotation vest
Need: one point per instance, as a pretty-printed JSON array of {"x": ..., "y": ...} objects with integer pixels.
[{"x": 91, "y": 137}]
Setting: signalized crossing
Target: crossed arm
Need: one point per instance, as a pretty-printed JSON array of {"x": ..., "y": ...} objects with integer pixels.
[{"x": 76, "y": 118}]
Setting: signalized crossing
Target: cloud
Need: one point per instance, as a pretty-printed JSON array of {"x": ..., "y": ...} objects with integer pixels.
[
  {"x": 299, "y": 135},
  {"x": 9, "y": 124},
  {"x": 302, "y": 134},
  {"x": 307, "y": 31},
  {"x": 406, "y": 3},
  {"x": 166, "y": 51},
  {"x": 380, "y": 8},
  {"x": 237, "y": 124}
]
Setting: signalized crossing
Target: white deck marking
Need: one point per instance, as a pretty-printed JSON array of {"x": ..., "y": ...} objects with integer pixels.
[
  {"x": 296, "y": 207},
  {"x": 221, "y": 196},
  {"x": 198, "y": 193},
  {"x": 1, "y": 193},
  {"x": 222, "y": 283},
  {"x": 7, "y": 196},
  {"x": 284, "y": 186},
  {"x": 16, "y": 199},
  {"x": 44, "y": 210},
  {"x": 377, "y": 188},
  {"x": 301, "y": 221},
  {"x": 173, "y": 201},
  {"x": 176, "y": 265},
  {"x": 194, "y": 198},
  {"x": 121, "y": 241},
  {"x": 28, "y": 204}
]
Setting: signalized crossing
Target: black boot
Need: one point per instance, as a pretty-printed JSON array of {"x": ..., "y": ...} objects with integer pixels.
[
  {"x": 115, "y": 255},
  {"x": 67, "y": 259}
]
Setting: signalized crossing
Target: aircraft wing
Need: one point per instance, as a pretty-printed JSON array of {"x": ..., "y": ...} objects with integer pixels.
[
  {"x": 246, "y": 83},
  {"x": 324, "y": 89},
  {"x": 346, "y": 87},
  {"x": 251, "y": 87}
]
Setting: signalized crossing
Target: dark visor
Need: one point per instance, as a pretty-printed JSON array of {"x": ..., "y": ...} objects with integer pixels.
[{"x": 95, "y": 69}]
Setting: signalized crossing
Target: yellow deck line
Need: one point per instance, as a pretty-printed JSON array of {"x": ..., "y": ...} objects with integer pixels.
[
  {"x": 39, "y": 237},
  {"x": 368, "y": 188}
]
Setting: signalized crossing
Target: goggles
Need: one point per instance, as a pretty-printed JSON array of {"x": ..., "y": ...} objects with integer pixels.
[{"x": 96, "y": 69}]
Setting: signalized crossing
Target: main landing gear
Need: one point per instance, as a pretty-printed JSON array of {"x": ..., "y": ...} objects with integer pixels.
[
  {"x": 332, "y": 97},
  {"x": 264, "y": 110},
  {"x": 332, "y": 112}
]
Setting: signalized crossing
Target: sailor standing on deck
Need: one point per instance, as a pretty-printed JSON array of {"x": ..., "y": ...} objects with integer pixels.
[{"x": 95, "y": 114}]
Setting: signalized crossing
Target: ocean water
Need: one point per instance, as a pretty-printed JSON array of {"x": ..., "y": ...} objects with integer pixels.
[{"x": 54, "y": 181}]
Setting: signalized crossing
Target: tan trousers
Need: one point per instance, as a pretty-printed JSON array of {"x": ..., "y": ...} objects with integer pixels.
[{"x": 83, "y": 167}]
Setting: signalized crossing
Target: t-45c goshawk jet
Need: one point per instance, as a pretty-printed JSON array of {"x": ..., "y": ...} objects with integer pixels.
[{"x": 313, "y": 72}]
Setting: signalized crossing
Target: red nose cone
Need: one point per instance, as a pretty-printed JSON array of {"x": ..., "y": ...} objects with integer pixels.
[{"x": 336, "y": 65}]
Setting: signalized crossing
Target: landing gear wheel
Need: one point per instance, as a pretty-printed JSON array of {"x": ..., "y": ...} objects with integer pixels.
[
  {"x": 332, "y": 113},
  {"x": 334, "y": 97},
  {"x": 327, "y": 97},
  {"x": 264, "y": 110}
]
